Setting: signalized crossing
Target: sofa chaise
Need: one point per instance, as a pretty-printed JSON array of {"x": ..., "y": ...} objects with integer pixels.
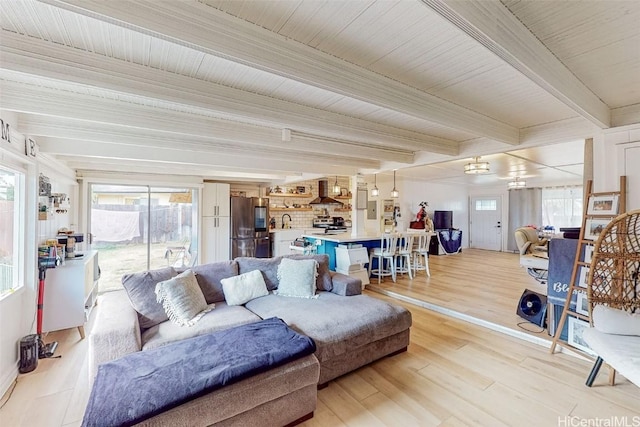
[{"x": 349, "y": 329}]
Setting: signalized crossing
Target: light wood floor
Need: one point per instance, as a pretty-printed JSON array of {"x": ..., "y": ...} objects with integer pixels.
[
  {"x": 455, "y": 373},
  {"x": 484, "y": 285}
]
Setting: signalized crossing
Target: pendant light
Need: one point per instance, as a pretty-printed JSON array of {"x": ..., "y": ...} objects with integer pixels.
[
  {"x": 516, "y": 184},
  {"x": 394, "y": 193},
  {"x": 476, "y": 166},
  {"x": 336, "y": 187},
  {"x": 374, "y": 191}
]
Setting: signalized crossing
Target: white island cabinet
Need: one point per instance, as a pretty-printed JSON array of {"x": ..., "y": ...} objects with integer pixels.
[{"x": 70, "y": 292}]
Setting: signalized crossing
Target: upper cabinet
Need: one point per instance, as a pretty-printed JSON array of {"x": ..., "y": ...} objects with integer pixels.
[{"x": 215, "y": 199}]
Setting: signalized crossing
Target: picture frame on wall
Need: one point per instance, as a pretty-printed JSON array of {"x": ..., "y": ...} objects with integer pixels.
[
  {"x": 582, "y": 304},
  {"x": 603, "y": 205},
  {"x": 583, "y": 277},
  {"x": 588, "y": 253},
  {"x": 594, "y": 227},
  {"x": 575, "y": 330}
]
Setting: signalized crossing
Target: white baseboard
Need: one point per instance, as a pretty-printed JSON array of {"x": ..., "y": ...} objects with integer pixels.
[{"x": 7, "y": 379}]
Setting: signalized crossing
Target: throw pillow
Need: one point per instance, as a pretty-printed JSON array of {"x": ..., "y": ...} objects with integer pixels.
[
  {"x": 324, "y": 282},
  {"x": 140, "y": 289},
  {"x": 209, "y": 277},
  {"x": 182, "y": 299},
  {"x": 613, "y": 321},
  {"x": 297, "y": 278},
  {"x": 243, "y": 288}
]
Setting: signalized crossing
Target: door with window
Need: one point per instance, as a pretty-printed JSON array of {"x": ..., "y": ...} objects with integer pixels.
[
  {"x": 139, "y": 228},
  {"x": 485, "y": 228}
]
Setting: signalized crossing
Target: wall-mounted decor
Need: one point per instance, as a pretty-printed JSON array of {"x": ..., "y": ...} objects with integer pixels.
[
  {"x": 594, "y": 227},
  {"x": 603, "y": 205}
]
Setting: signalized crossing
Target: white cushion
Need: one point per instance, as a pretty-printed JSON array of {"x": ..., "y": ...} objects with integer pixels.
[
  {"x": 621, "y": 352},
  {"x": 297, "y": 278},
  {"x": 182, "y": 299},
  {"x": 243, "y": 288},
  {"x": 613, "y": 321}
]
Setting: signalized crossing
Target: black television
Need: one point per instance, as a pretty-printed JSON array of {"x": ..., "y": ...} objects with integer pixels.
[{"x": 442, "y": 220}]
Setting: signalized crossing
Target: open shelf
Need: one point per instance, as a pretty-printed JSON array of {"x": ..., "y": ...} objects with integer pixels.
[
  {"x": 290, "y": 209},
  {"x": 305, "y": 195}
]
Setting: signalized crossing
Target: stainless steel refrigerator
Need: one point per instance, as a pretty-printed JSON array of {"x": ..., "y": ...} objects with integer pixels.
[{"x": 250, "y": 227}]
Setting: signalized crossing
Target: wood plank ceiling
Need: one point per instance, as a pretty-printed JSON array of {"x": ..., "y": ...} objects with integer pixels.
[{"x": 271, "y": 91}]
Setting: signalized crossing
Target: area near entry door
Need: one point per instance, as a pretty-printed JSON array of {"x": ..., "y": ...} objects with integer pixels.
[{"x": 485, "y": 228}]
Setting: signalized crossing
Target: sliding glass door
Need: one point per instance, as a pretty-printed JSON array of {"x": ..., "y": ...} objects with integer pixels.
[{"x": 139, "y": 228}]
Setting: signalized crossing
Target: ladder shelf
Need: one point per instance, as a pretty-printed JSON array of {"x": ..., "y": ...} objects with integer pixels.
[{"x": 612, "y": 203}]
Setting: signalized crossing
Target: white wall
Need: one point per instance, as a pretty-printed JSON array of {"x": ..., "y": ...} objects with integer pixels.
[
  {"x": 609, "y": 163},
  {"x": 439, "y": 196},
  {"x": 18, "y": 310}
]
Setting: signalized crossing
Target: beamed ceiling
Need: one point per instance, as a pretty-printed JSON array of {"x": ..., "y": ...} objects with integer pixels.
[{"x": 276, "y": 91}]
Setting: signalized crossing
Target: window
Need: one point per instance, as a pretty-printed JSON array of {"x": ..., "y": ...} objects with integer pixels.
[
  {"x": 486, "y": 205},
  {"x": 11, "y": 195},
  {"x": 562, "y": 207}
]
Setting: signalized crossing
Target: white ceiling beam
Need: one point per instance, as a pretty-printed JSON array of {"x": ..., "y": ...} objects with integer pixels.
[
  {"x": 491, "y": 24},
  {"x": 624, "y": 116},
  {"x": 78, "y": 116},
  {"x": 169, "y": 156},
  {"x": 214, "y": 32},
  {"x": 40, "y": 58},
  {"x": 42, "y": 126}
]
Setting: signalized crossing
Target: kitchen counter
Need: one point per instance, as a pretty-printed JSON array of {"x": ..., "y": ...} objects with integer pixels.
[
  {"x": 327, "y": 243},
  {"x": 342, "y": 237}
]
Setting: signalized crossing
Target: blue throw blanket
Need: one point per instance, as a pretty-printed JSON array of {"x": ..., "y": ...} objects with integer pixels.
[{"x": 138, "y": 386}]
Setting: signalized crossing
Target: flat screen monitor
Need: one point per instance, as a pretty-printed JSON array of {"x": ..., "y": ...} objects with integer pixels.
[{"x": 442, "y": 219}]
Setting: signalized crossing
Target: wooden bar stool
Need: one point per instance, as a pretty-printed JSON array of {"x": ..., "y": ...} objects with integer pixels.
[
  {"x": 404, "y": 252},
  {"x": 421, "y": 252},
  {"x": 386, "y": 251}
]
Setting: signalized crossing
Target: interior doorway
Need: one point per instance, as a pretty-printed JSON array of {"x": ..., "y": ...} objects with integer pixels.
[
  {"x": 139, "y": 228},
  {"x": 485, "y": 227}
]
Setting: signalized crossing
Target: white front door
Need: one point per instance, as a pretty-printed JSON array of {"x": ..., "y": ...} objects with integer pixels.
[{"x": 485, "y": 229}]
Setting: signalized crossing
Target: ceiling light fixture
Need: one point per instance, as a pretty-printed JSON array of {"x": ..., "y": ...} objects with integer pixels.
[
  {"x": 516, "y": 184},
  {"x": 476, "y": 166},
  {"x": 336, "y": 187},
  {"x": 374, "y": 191},
  {"x": 394, "y": 193}
]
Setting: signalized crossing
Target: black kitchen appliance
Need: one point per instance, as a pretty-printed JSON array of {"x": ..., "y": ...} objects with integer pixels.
[{"x": 338, "y": 221}]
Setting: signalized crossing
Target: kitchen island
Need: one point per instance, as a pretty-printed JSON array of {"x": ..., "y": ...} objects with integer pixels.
[{"x": 327, "y": 243}]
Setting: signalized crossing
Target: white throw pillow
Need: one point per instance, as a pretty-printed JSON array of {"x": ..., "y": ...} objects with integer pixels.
[
  {"x": 243, "y": 288},
  {"x": 182, "y": 299},
  {"x": 297, "y": 278},
  {"x": 613, "y": 321}
]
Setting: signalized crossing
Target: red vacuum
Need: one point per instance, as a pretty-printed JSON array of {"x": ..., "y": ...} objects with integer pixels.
[
  {"x": 32, "y": 347},
  {"x": 44, "y": 350}
]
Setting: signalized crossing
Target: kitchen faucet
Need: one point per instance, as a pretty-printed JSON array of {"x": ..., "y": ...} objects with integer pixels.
[{"x": 283, "y": 219}]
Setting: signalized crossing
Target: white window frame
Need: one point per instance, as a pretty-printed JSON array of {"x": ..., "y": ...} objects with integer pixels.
[{"x": 19, "y": 228}]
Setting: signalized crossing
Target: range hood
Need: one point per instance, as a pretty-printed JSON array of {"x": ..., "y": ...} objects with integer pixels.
[{"x": 323, "y": 194}]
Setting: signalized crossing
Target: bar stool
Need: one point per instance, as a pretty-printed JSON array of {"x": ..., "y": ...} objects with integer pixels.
[
  {"x": 421, "y": 252},
  {"x": 403, "y": 255},
  {"x": 386, "y": 251}
]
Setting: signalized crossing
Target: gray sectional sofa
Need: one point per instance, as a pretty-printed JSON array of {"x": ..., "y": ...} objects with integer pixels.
[{"x": 350, "y": 330}]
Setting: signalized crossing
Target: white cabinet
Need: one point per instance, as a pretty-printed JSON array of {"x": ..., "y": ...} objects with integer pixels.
[
  {"x": 215, "y": 239},
  {"x": 69, "y": 293},
  {"x": 216, "y": 200},
  {"x": 216, "y": 210}
]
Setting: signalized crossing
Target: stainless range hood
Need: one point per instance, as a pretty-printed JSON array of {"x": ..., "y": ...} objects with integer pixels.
[{"x": 323, "y": 194}]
